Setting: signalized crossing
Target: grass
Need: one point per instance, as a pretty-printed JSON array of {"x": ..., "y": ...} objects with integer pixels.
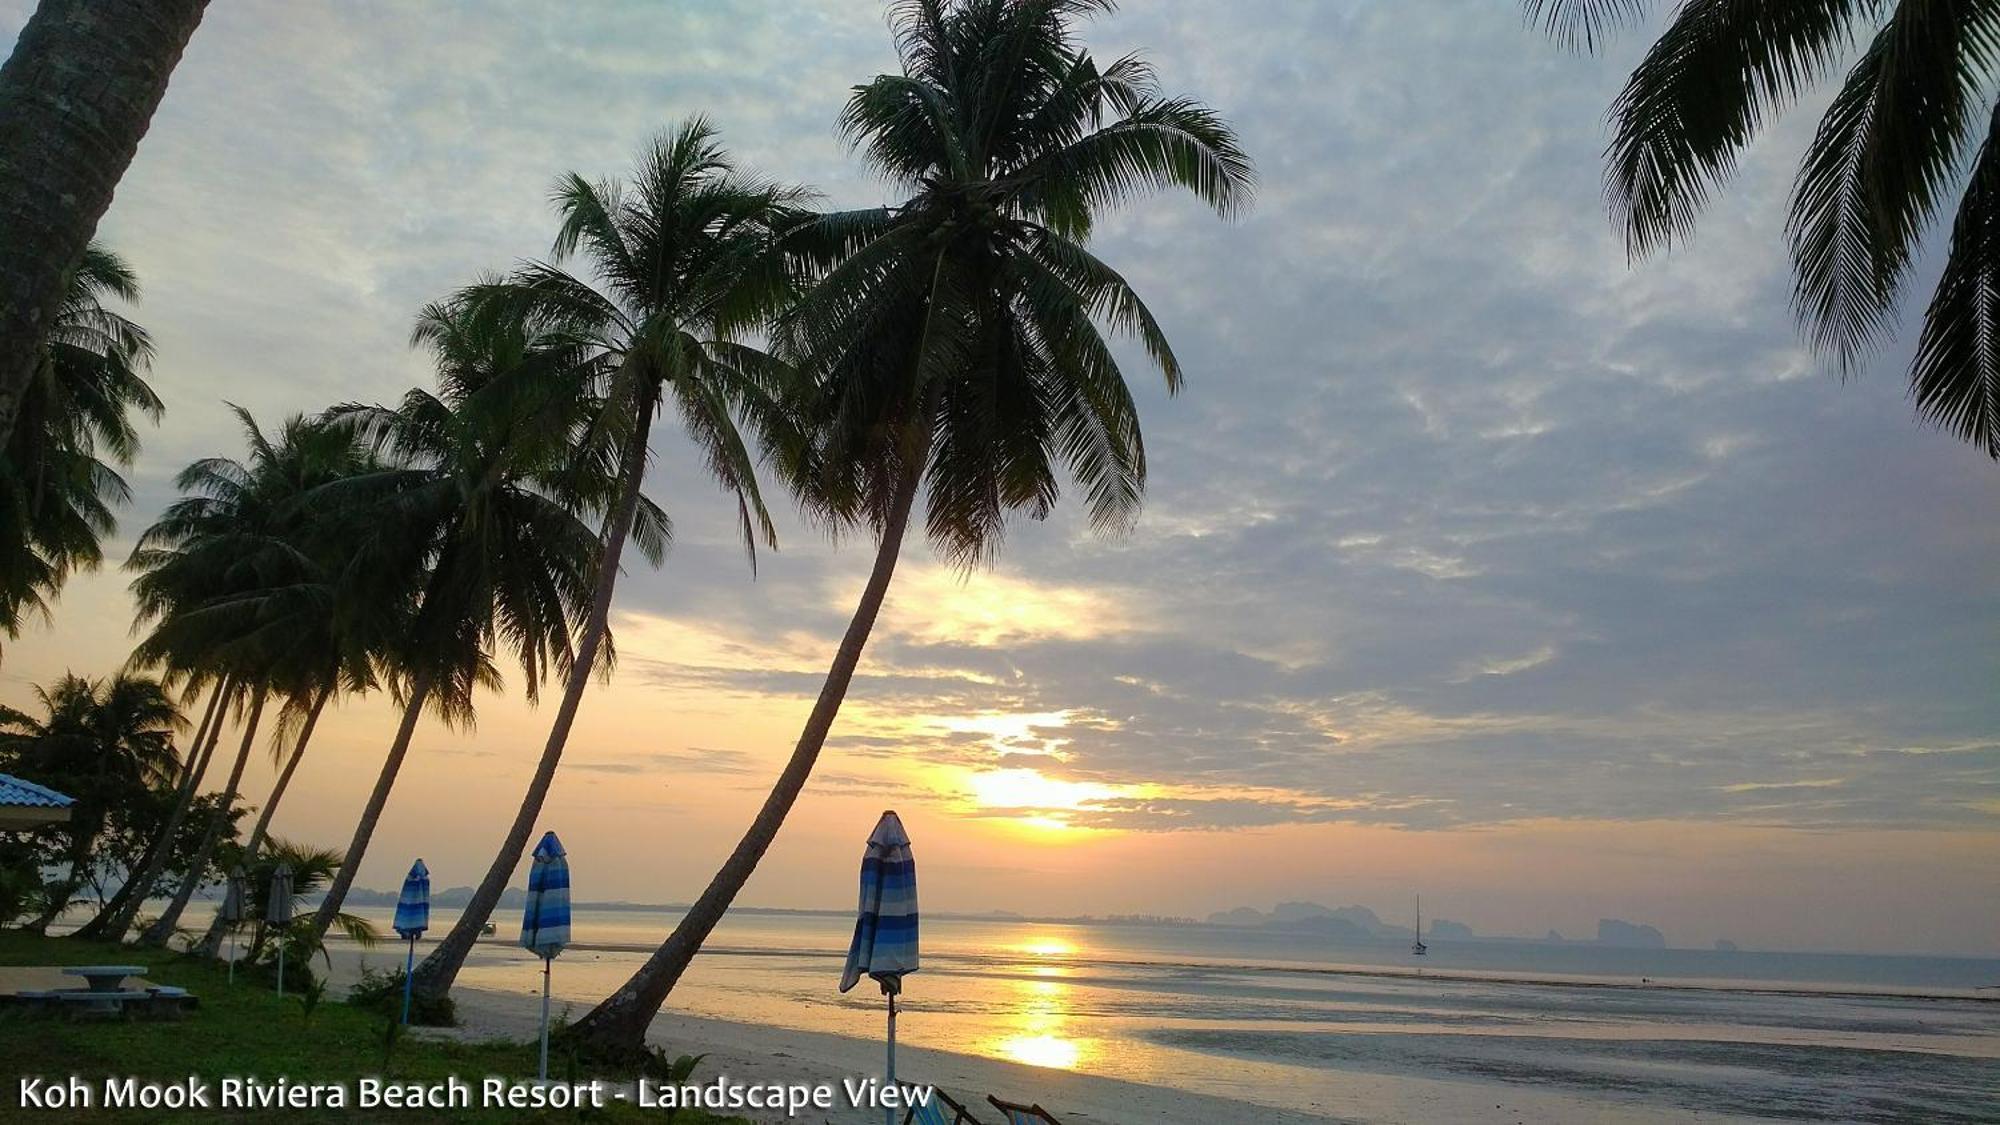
[{"x": 243, "y": 1030}]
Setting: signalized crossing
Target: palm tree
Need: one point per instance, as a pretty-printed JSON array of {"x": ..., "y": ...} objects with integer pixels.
[
  {"x": 116, "y": 916},
  {"x": 304, "y": 618},
  {"x": 241, "y": 576},
  {"x": 59, "y": 481},
  {"x": 1887, "y": 154},
  {"x": 99, "y": 742},
  {"x": 76, "y": 96},
  {"x": 683, "y": 264},
  {"x": 312, "y": 870},
  {"x": 484, "y": 507},
  {"x": 953, "y": 343}
]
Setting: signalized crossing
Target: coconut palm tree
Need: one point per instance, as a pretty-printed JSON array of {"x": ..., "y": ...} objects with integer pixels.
[
  {"x": 681, "y": 264},
  {"x": 117, "y": 915},
  {"x": 76, "y": 96},
  {"x": 483, "y": 508},
  {"x": 242, "y": 576},
  {"x": 59, "y": 480},
  {"x": 99, "y": 742},
  {"x": 1890, "y": 152},
  {"x": 305, "y": 618},
  {"x": 953, "y": 344}
]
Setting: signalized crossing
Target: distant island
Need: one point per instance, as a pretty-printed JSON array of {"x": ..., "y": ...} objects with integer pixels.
[
  {"x": 1340, "y": 925},
  {"x": 1357, "y": 924}
]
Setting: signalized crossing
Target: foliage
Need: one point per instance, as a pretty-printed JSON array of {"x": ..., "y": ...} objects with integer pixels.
[
  {"x": 312, "y": 871},
  {"x": 382, "y": 991},
  {"x": 959, "y": 337},
  {"x": 1889, "y": 155},
  {"x": 59, "y": 476},
  {"x": 109, "y": 745},
  {"x": 247, "y": 1029}
]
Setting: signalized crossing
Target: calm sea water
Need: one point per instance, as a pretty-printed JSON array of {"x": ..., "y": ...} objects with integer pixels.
[{"x": 1363, "y": 1032}]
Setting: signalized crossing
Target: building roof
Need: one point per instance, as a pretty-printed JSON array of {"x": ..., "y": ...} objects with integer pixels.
[{"x": 18, "y": 792}]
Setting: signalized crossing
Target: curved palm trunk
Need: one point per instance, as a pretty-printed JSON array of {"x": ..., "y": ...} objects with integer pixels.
[
  {"x": 163, "y": 928},
  {"x": 371, "y": 813},
  {"x": 76, "y": 96},
  {"x": 187, "y": 769},
  {"x": 118, "y": 914},
  {"x": 211, "y": 942},
  {"x": 435, "y": 976},
  {"x": 618, "y": 1024}
]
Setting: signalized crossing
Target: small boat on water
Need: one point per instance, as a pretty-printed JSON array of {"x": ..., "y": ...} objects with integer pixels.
[{"x": 1417, "y": 947}]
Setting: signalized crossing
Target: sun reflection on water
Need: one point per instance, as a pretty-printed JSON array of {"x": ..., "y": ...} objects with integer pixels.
[{"x": 1037, "y": 1024}]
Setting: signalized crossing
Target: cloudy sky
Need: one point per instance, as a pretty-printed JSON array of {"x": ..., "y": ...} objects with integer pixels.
[{"x": 1475, "y": 561}]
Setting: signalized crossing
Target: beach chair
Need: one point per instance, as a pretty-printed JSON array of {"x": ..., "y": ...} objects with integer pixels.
[
  {"x": 1023, "y": 1114},
  {"x": 940, "y": 1110}
]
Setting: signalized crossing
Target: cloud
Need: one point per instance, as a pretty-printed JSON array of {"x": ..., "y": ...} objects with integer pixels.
[{"x": 1461, "y": 520}]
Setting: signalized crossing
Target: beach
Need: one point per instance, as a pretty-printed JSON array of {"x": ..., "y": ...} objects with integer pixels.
[{"x": 1106, "y": 1023}]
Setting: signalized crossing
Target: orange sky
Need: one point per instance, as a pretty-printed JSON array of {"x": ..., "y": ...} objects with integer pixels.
[{"x": 1477, "y": 560}]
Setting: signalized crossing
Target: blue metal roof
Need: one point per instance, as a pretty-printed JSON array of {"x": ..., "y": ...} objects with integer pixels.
[{"x": 19, "y": 792}]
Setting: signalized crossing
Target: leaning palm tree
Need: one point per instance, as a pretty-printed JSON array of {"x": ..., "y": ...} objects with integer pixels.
[
  {"x": 483, "y": 511},
  {"x": 683, "y": 263},
  {"x": 116, "y": 916},
  {"x": 242, "y": 576},
  {"x": 302, "y": 617},
  {"x": 76, "y": 95},
  {"x": 59, "y": 479},
  {"x": 100, "y": 741},
  {"x": 1889, "y": 153},
  {"x": 953, "y": 345}
]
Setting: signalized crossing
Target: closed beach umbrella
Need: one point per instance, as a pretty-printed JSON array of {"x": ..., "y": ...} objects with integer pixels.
[
  {"x": 885, "y": 925},
  {"x": 413, "y": 917},
  {"x": 233, "y": 909},
  {"x": 545, "y": 920},
  {"x": 278, "y": 913}
]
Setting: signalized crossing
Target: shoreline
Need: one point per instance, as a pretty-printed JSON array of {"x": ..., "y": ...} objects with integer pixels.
[
  {"x": 1705, "y": 985},
  {"x": 749, "y": 1052}
]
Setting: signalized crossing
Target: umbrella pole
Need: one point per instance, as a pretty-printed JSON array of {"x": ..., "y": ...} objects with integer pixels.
[
  {"x": 281, "y": 966},
  {"x": 409, "y": 967},
  {"x": 889, "y": 1112},
  {"x": 545, "y": 1018},
  {"x": 232, "y": 955}
]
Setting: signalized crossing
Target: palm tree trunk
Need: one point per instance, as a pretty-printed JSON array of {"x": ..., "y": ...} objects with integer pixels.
[
  {"x": 435, "y": 976},
  {"x": 200, "y": 736},
  {"x": 163, "y": 928},
  {"x": 617, "y": 1026},
  {"x": 117, "y": 916},
  {"x": 76, "y": 96},
  {"x": 211, "y": 942},
  {"x": 336, "y": 892}
]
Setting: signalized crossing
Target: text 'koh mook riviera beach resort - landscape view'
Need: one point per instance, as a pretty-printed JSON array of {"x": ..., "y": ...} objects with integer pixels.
[{"x": 933, "y": 562}]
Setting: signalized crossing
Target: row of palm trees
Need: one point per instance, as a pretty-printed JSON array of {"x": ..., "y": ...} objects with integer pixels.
[{"x": 951, "y": 348}]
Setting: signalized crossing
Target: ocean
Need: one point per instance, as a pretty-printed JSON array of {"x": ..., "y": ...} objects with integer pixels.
[{"x": 1357, "y": 1032}]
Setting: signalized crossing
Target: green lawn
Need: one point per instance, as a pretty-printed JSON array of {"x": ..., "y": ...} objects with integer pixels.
[{"x": 243, "y": 1031}]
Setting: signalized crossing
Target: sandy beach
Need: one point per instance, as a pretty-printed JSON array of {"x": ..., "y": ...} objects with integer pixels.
[{"x": 750, "y": 1053}]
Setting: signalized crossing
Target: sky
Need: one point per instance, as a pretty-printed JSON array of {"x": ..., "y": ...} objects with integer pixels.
[{"x": 1476, "y": 561}]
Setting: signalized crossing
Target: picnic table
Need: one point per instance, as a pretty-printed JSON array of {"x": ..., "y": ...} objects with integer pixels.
[
  {"x": 107, "y": 991},
  {"x": 105, "y": 978}
]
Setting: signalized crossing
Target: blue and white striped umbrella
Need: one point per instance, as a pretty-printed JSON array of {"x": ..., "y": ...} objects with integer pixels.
[
  {"x": 413, "y": 907},
  {"x": 885, "y": 928},
  {"x": 545, "y": 922}
]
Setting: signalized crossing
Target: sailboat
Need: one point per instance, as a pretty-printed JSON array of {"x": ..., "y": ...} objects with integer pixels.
[{"x": 1417, "y": 947}]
